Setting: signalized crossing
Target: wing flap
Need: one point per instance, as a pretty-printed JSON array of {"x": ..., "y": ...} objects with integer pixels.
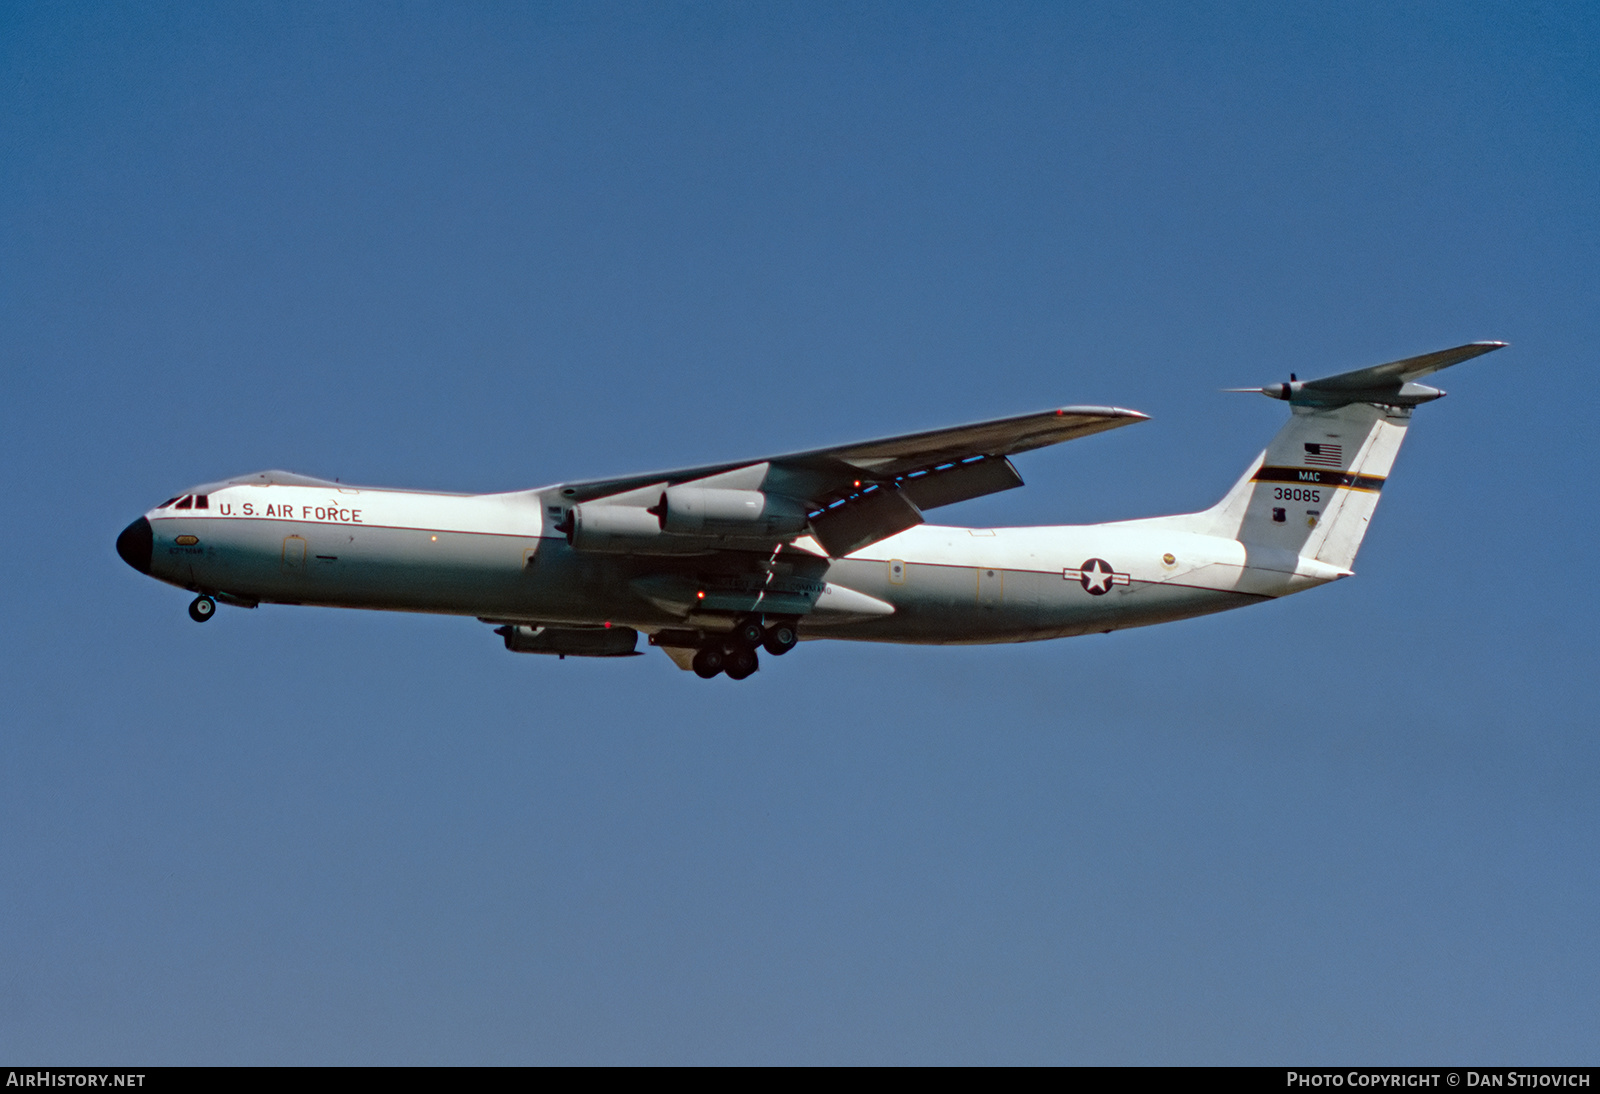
[
  {"x": 952, "y": 483},
  {"x": 864, "y": 520}
]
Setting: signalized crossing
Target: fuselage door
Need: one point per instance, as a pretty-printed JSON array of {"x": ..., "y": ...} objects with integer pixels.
[
  {"x": 294, "y": 555},
  {"x": 991, "y": 586}
]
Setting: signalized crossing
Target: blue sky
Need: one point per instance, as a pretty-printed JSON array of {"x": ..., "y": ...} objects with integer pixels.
[{"x": 483, "y": 247}]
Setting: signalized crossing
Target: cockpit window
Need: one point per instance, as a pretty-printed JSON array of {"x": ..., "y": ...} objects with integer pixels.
[
  {"x": 166, "y": 503},
  {"x": 185, "y": 502},
  {"x": 201, "y": 501}
]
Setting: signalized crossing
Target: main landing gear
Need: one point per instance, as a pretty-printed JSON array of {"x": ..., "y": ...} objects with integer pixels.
[
  {"x": 779, "y": 638},
  {"x": 202, "y": 608},
  {"x": 735, "y": 653},
  {"x": 725, "y": 655}
]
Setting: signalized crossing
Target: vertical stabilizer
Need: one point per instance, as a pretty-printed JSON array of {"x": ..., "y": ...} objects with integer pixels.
[{"x": 1314, "y": 489}]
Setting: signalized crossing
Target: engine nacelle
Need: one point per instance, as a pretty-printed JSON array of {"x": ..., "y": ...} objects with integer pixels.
[
  {"x": 708, "y": 510},
  {"x": 571, "y": 641},
  {"x": 611, "y": 528}
]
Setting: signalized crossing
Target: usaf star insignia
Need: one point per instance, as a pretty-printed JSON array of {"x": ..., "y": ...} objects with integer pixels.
[{"x": 1096, "y": 576}]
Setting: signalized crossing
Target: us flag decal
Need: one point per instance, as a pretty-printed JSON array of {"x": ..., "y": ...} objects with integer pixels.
[{"x": 1324, "y": 455}]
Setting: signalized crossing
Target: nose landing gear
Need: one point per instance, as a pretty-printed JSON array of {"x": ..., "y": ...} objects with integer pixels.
[{"x": 202, "y": 608}]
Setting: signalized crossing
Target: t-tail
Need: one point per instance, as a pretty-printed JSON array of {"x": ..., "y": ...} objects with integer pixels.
[{"x": 1314, "y": 489}]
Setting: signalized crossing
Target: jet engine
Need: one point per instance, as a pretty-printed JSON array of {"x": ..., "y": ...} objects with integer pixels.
[
  {"x": 687, "y": 519},
  {"x": 617, "y": 529},
  {"x": 708, "y": 510}
]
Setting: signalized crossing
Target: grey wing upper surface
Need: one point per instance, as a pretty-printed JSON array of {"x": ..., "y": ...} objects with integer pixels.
[{"x": 856, "y": 494}]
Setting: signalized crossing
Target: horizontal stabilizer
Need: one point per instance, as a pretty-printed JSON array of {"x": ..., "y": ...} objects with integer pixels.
[{"x": 1393, "y": 384}]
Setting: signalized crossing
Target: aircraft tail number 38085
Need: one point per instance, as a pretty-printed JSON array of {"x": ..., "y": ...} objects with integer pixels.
[{"x": 716, "y": 564}]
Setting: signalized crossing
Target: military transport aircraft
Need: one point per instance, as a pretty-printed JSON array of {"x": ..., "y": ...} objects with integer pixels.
[{"x": 717, "y": 562}]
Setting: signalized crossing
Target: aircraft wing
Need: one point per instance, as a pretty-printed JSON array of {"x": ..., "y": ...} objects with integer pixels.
[
  {"x": 859, "y": 493},
  {"x": 913, "y": 452}
]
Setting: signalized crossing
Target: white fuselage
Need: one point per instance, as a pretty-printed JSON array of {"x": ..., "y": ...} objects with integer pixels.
[{"x": 497, "y": 557}]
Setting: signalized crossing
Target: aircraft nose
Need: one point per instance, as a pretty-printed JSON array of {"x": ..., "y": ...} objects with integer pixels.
[{"x": 135, "y": 544}]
